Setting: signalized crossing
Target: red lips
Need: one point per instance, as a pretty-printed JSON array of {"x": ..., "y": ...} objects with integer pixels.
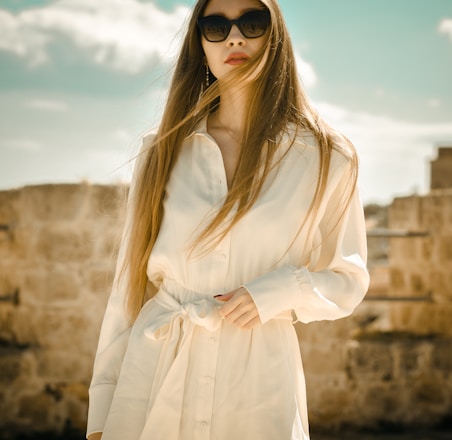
[{"x": 237, "y": 58}]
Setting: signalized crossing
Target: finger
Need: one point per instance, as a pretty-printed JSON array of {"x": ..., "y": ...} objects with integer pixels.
[
  {"x": 248, "y": 320},
  {"x": 230, "y": 306},
  {"x": 255, "y": 322},
  {"x": 225, "y": 297},
  {"x": 238, "y": 312}
]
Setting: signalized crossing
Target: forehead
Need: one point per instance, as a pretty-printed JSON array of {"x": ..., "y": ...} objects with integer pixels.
[{"x": 231, "y": 8}]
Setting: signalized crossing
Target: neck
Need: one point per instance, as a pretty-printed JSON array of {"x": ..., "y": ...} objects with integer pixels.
[{"x": 230, "y": 115}]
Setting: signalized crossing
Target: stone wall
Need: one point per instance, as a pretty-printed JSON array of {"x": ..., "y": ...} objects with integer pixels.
[
  {"x": 441, "y": 169},
  {"x": 389, "y": 363},
  {"x": 57, "y": 248}
]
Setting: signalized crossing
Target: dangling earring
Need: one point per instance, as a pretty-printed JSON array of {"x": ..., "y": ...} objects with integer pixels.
[{"x": 207, "y": 76}]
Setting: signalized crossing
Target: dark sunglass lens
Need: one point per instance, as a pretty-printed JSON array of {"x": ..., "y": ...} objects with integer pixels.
[
  {"x": 215, "y": 28},
  {"x": 254, "y": 24}
]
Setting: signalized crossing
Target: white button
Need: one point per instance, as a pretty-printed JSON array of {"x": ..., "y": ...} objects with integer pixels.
[
  {"x": 207, "y": 380},
  {"x": 204, "y": 424},
  {"x": 212, "y": 340},
  {"x": 223, "y": 256}
]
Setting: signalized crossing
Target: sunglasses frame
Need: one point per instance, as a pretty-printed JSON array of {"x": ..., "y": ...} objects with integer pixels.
[{"x": 238, "y": 22}]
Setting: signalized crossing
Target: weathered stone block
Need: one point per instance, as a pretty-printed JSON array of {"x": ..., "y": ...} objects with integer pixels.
[
  {"x": 405, "y": 213},
  {"x": 24, "y": 323},
  {"x": 34, "y": 410},
  {"x": 382, "y": 403},
  {"x": 77, "y": 407},
  {"x": 438, "y": 283},
  {"x": 56, "y": 202},
  {"x": 62, "y": 328},
  {"x": 107, "y": 241},
  {"x": 446, "y": 248},
  {"x": 428, "y": 393},
  {"x": 18, "y": 243},
  {"x": 442, "y": 357},
  {"x": 54, "y": 285},
  {"x": 397, "y": 279},
  {"x": 99, "y": 280},
  {"x": 422, "y": 318},
  {"x": 410, "y": 359},
  {"x": 9, "y": 207},
  {"x": 323, "y": 362},
  {"x": 333, "y": 408},
  {"x": 62, "y": 244},
  {"x": 10, "y": 366},
  {"x": 426, "y": 252},
  {"x": 108, "y": 202},
  {"x": 373, "y": 361},
  {"x": 433, "y": 213},
  {"x": 64, "y": 366},
  {"x": 417, "y": 285},
  {"x": 77, "y": 390}
]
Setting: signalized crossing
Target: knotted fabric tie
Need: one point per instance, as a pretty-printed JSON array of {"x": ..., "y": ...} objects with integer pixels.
[
  {"x": 174, "y": 326},
  {"x": 201, "y": 312}
]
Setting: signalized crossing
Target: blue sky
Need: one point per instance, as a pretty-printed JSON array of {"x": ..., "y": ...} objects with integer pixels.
[{"x": 81, "y": 80}]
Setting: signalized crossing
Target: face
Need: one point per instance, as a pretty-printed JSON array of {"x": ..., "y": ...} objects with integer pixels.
[{"x": 236, "y": 49}]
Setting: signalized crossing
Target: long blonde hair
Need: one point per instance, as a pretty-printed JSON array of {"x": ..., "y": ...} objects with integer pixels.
[{"x": 277, "y": 94}]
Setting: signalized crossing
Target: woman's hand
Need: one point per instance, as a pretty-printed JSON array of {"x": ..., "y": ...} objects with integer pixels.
[
  {"x": 239, "y": 309},
  {"x": 95, "y": 436}
]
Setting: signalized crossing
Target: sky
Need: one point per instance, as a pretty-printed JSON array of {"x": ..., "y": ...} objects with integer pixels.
[{"x": 82, "y": 80}]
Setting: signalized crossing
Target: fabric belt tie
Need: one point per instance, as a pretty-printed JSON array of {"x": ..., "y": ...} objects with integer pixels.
[
  {"x": 174, "y": 326},
  {"x": 201, "y": 312}
]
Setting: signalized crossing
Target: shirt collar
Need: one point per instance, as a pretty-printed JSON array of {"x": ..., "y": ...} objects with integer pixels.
[
  {"x": 201, "y": 127},
  {"x": 288, "y": 135}
]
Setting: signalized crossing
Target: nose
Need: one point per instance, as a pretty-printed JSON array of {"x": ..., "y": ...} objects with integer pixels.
[{"x": 235, "y": 37}]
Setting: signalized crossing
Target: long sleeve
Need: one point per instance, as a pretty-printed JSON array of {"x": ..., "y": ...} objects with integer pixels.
[
  {"x": 335, "y": 280},
  {"x": 115, "y": 328}
]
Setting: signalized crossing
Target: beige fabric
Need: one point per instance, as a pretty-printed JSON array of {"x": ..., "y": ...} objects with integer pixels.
[{"x": 182, "y": 373}]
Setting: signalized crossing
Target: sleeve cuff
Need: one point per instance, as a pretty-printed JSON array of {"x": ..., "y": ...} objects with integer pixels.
[
  {"x": 100, "y": 397},
  {"x": 277, "y": 291}
]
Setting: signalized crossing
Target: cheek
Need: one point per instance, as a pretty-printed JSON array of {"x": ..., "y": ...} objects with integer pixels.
[
  {"x": 203, "y": 45},
  {"x": 213, "y": 59},
  {"x": 208, "y": 54}
]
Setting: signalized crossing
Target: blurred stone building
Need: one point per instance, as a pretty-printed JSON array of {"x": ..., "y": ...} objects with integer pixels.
[
  {"x": 441, "y": 169},
  {"x": 389, "y": 364}
]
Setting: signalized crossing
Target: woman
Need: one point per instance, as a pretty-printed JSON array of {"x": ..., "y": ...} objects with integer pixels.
[{"x": 243, "y": 212}]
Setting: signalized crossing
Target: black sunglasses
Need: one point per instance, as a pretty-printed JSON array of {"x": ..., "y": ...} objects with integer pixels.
[{"x": 253, "y": 24}]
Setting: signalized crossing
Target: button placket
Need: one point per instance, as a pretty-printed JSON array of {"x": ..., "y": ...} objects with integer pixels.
[{"x": 206, "y": 373}]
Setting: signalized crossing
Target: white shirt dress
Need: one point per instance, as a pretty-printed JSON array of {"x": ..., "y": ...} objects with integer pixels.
[{"x": 180, "y": 372}]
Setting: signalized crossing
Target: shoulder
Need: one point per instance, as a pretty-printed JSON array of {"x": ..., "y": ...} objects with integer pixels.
[
  {"x": 148, "y": 139},
  {"x": 305, "y": 141},
  {"x": 147, "y": 143},
  {"x": 143, "y": 151},
  {"x": 302, "y": 144}
]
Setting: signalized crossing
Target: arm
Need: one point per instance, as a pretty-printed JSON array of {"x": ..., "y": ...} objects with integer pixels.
[
  {"x": 114, "y": 333},
  {"x": 336, "y": 279}
]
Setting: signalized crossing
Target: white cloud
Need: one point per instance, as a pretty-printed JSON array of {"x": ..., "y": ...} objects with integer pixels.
[
  {"x": 394, "y": 154},
  {"x": 122, "y": 135},
  {"x": 29, "y": 145},
  {"x": 125, "y": 35},
  {"x": 445, "y": 27},
  {"x": 47, "y": 105},
  {"x": 434, "y": 103},
  {"x": 307, "y": 72}
]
